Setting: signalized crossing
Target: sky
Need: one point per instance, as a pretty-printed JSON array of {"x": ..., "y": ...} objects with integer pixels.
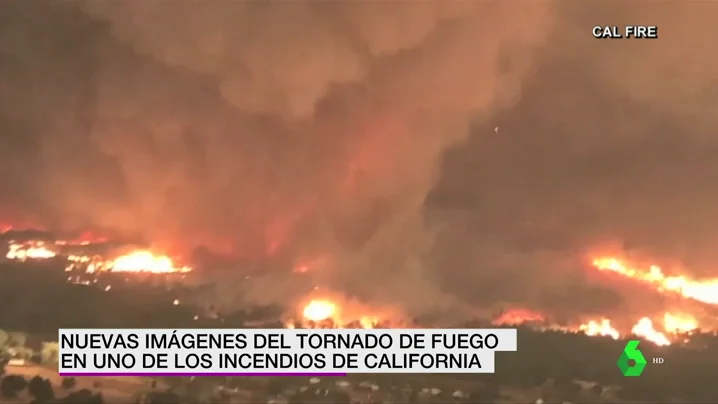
[{"x": 430, "y": 154}]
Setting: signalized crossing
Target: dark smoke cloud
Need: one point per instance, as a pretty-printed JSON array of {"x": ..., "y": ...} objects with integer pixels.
[
  {"x": 269, "y": 127},
  {"x": 309, "y": 129},
  {"x": 611, "y": 149}
]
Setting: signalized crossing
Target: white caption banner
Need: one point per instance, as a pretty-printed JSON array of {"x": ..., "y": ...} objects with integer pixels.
[{"x": 280, "y": 351}]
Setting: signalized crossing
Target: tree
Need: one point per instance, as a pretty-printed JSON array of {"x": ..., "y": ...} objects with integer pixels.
[
  {"x": 50, "y": 352},
  {"x": 22, "y": 352},
  {"x": 41, "y": 389},
  {"x": 68, "y": 383},
  {"x": 4, "y": 339},
  {"x": 11, "y": 385},
  {"x": 572, "y": 392},
  {"x": 297, "y": 398},
  {"x": 275, "y": 386},
  {"x": 342, "y": 397},
  {"x": 489, "y": 393},
  {"x": 17, "y": 339},
  {"x": 166, "y": 397},
  {"x": 83, "y": 396},
  {"x": 97, "y": 399}
]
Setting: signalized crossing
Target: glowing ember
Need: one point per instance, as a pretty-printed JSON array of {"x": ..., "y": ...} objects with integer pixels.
[
  {"x": 601, "y": 328},
  {"x": 319, "y": 310},
  {"x": 679, "y": 323},
  {"x": 29, "y": 251},
  {"x": 328, "y": 313},
  {"x": 644, "y": 328},
  {"x": 661, "y": 331},
  {"x": 368, "y": 322},
  {"x": 675, "y": 326},
  {"x": 519, "y": 316},
  {"x": 79, "y": 258},
  {"x": 705, "y": 291},
  {"x": 145, "y": 261},
  {"x": 137, "y": 261}
]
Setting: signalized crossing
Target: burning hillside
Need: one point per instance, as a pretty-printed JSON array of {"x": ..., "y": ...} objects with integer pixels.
[
  {"x": 323, "y": 313},
  {"x": 332, "y": 310},
  {"x": 90, "y": 256},
  {"x": 134, "y": 261},
  {"x": 662, "y": 329},
  {"x": 672, "y": 328},
  {"x": 30, "y": 250},
  {"x": 705, "y": 291}
]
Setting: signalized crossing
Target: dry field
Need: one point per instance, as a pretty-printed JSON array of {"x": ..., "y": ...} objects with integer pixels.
[{"x": 113, "y": 389}]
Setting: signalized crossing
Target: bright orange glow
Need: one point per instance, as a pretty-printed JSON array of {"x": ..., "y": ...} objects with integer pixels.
[
  {"x": 368, "y": 322},
  {"x": 340, "y": 316},
  {"x": 679, "y": 323},
  {"x": 705, "y": 291},
  {"x": 136, "y": 261},
  {"x": 29, "y": 251},
  {"x": 310, "y": 265},
  {"x": 675, "y": 326},
  {"x": 600, "y": 328},
  {"x": 86, "y": 238},
  {"x": 519, "y": 316},
  {"x": 319, "y": 310},
  {"x": 644, "y": 328},
  {"x": 145, "y": 261}
]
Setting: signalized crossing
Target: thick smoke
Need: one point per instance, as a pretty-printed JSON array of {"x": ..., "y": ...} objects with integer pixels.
[
  {"x": 317, "y": 132},
  {"x": 611, "y": 150},
  {"x": 267, "y": 128}
]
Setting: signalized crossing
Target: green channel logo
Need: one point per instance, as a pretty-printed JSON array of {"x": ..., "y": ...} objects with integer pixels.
[{"x": 631, "y": 353}]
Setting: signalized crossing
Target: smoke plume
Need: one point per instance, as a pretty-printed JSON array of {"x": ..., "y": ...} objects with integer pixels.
[
  {"x": 609, "y": 151},
  {"x": 262, "y": 128},
  {"x": 357, "y": 138}
]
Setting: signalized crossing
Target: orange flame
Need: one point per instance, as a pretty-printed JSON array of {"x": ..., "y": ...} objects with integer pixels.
[
  {"x": 705, "y": 291},
  {"x": 600, "y": 328},
  {"x": 145, "y": 261},
  {"x": 29, "y": 251},
  {"x": 679, "y": 323},
  {"x": 644, "y": 328},
  {"x": 519, "y": 316},
  {"x": 672, "y": 324},
  {"x": 675, "y": 326},
  {"x": 136, "y": 261},
  {"x": 319, "y": 310},
  {"x": 324, "y": 310}
]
